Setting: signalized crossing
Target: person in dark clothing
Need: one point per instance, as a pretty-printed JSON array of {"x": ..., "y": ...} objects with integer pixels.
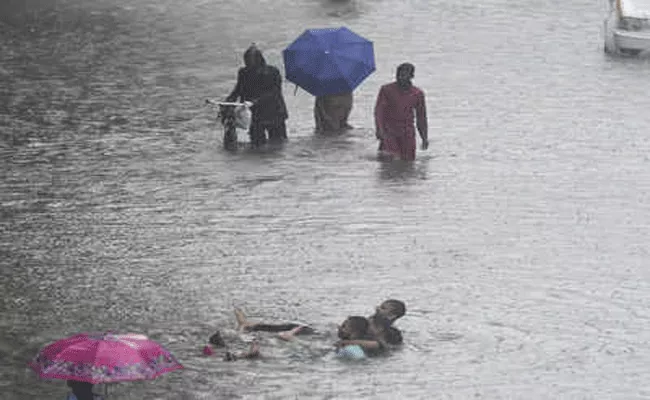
[
  {"x": 281, "y": 327},
  {"x": 261, "y": 85},
  {"x": 81, "y": 390},
  {"x": 290, "y": 327}
]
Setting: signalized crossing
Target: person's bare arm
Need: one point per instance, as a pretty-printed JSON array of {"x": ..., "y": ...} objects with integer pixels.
[
  {"x": 290, "y": 335},
  {"x": 252, "y": 353},
  {"x": 365, "y": 343}
]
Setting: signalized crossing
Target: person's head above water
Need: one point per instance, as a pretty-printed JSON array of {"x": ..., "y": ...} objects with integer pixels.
[
  {"x": 354, "y": 327},
  {"x": 404, "y": 74},
  {"x": 392, "y": 309},
  {"x": 253, "y": 57},
  {"x": 217, "y": 340}
]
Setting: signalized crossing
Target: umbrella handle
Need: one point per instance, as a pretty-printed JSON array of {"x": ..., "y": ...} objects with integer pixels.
[{"x": 295, "y": 90}]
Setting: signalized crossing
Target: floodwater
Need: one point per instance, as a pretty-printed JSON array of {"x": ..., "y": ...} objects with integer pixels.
[{"x": 519, "y": 240}]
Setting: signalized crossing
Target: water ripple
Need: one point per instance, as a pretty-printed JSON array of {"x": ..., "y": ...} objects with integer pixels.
[{"x": 518, "y": 241}]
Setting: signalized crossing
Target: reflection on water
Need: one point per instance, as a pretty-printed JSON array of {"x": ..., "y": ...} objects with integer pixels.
[
  {"x": 518, "y": 240},
  {"x": 403, "y": 171}
]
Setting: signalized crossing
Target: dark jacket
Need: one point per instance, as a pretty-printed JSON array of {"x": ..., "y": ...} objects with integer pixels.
[
  {"x": 81, "y": 390},
  {"x": 263, "y": 86}
]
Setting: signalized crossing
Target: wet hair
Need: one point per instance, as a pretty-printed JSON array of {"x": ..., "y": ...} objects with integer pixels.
[
  {"x": 217, "y": 340},
  {"x": 358, "y": 324},
  {"x": 406, "y": 67},
  {"x": 398, "y": 307}
]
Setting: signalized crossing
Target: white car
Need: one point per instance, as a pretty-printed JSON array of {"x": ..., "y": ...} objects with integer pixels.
[{"x": 627, "y": 26}]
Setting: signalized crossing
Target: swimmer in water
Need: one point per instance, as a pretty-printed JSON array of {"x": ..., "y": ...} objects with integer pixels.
[
  {"x": 353, "y": 328},
  {"x": 216, "y": 341},
  {"x": 247, "y": 326},
  {"x": 388, "y": 312},
  {"x": 392, "y": 310},
  {"x": 381, "y": 335}
]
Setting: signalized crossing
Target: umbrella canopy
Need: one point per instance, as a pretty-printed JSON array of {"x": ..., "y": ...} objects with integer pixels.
[
  {"x": 104, "y": 358},
  {"x": 329, "y": 61}
]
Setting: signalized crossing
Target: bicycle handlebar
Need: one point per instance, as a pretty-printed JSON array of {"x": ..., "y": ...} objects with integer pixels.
[{"x": 225, "y": 103}]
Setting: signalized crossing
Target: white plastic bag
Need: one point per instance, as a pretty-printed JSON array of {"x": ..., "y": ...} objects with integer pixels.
[{"x": 242, "y": 117}]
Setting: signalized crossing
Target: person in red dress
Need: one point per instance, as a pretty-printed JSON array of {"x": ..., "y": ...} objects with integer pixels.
[{"x": 398, "y": 105}]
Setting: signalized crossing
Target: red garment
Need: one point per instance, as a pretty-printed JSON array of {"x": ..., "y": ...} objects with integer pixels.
[{"x": 395, "y": 112}]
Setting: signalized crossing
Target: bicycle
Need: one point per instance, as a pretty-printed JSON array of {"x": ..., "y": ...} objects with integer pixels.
[{"x": 232, "y": 116}]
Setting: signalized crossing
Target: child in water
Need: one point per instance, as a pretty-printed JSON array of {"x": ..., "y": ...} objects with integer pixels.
[
  {"x": 381, "y": 334},
  {"x": 217, "y": 341},
  {"x": 377, "y": 337},
  {"x": 353, "y": 328},
  {"x": 391, "y": 309}
]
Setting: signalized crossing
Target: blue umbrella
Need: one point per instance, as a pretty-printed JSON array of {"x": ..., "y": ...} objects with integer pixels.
[{"x": 328, "y": 61}]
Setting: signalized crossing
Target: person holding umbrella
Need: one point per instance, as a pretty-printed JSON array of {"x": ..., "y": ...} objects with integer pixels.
[
  {"x": 398, "y": 104},
  {"x": 90, "y": 358},
  {"x": 331, "y": 112},
  {"x": 329, "y": 63},
  {"x": 260, "y": 85},
  {"x": 81, "y": 391}
]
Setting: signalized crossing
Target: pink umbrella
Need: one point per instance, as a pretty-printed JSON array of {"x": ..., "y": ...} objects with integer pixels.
[{"x": 104, "y": 358}]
